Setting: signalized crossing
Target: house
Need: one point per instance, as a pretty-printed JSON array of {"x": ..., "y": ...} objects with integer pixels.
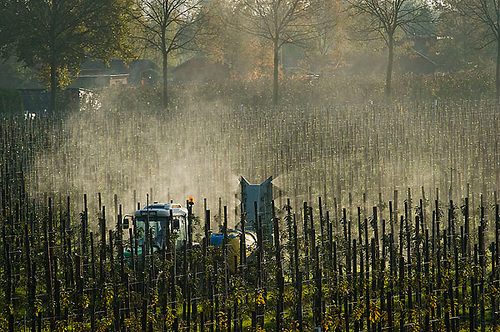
[
  {"x": 200, "y": 70},
  {"x": 96, "y": 74}
]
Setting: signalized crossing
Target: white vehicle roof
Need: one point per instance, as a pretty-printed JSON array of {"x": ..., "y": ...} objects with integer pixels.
[{"x": 162, "y": 210}]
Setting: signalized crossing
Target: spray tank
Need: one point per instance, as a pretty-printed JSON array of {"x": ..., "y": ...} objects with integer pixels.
[
  {"x": 257, "y": 204},
  {"x": 238, "y": 246}
]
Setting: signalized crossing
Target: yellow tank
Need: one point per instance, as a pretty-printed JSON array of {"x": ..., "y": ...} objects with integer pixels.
[{"x": 233, "y": 246}]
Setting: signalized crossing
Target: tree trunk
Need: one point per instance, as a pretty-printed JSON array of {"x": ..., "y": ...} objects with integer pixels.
[
  {"x": 53, "y": 87},
  {"x": 497, "y": 82},
  {"x": 165, "y": 80},
  {"x": 275, "y": 73},
  {"x": 388, "y": 80}
]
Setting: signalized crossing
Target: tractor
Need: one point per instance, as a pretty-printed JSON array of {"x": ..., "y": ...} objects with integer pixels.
[{"x": 170, "y": 220}]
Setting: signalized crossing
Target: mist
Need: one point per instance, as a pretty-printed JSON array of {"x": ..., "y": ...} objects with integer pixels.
[{"x": 348, "y": 155}]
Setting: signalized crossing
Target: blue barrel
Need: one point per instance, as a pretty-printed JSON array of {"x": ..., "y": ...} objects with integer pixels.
[{"x": 216, "y": 239}]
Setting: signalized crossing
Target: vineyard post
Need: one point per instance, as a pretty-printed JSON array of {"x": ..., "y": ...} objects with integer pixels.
[
  {"x": 94, "y": 284},
  {"x": 497, "y": 234},
  {"x": 128, "y": 296},
  {"x": 279, "y": 272},
  {"x": 206, "y": 238},
  {"x": 299, "y": 302},
  {"x": 32, "y": 216},
  {"x": 438, "y": 260},
  {"x": 344, "y": 224},
  {"x": 242, "y": 242},
  {"x": 375, "y": 227},
  {"x": 312, "y": 234},
  {"x": 305, "y": 213},
  {"x": 260, "y": 249},
  {"x": 434, "y": 229},
  {"x": 392, "y": 256},
  {"x": 497, "y": 262},
  {"x": 407, "y": 233},
  {"x": 360, "y": 228},
  {"x": 39, "y": 315},
  {"x": 185, "y": 305},
  {"x": 173, "y": 291},
  {"x": 8, "y": 286},
  {"x": 427, "y": 281},
  {"x": 367, "y": 293},
  {"x": 63, "y": 222},
  {"x": 384, "y": 237},
  {"x": 144, "y": 318},
  {"x": 4, "y": 203},
  {"x": 322, "y": 223},
  {"x": 448, "y": 296},
  {"x": 99, "y": 199},
  {"x": 473, "y": 286},
  {"x": 456, "y": 284},
  {"x": 380, "y": 280},
  {"x": 421, "y": 213},
  {"x": 492, "y": 282},
  {"x": 330, "y": 242},
  {"x": 346, "y": 296},
  {"x": 260, "y": 263},
  {"x": 464, "y": 259},
  {"x": 70, "y": 280},
  {"x": 216, "y": 296},
  {"x": 367, "y": 249},
  {"x": 206, "y": 278},
  {"x": 482, "y": 267},
  {"x": 114, "y": 281},
  {"x": 102, "y": 260},
  {"x": 289, "y": 228},
  {"x": 348, "y": 254},
  {"x": 79, "y": 287},
  {"x": 409, "y": 204},
  {"x": 451, "y": 219},
  {"x": 355, "y": 280},
  {"x": 48, "y": 260},
  {"x": 84, "y": 231},
  {"x": 391, "y": 217},
  {"x": 401, "y": 290},
  {"x": 390, "y": 314},
  {"x": 227, "y": 307},
  {"x": 317, "y": 310},
  {"x": 147, "y": 246},
  {"x": 361, "y": 272},
  {"x": 395, "y": 212},
  {"x": 336, "y": 219},
  {"x": 374, "y": 269},
  {"x": 296, "y": 249},
  {"x": 467, "y": 226},
  {"x": 119, "y": 232},
  {"x": 30, "y": 273},
  {"x": 57, "y": 292},
  {"x": 419, "y": 262}
]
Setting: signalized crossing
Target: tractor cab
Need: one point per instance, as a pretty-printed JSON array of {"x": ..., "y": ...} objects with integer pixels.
[{"x": 160, "y": 220}]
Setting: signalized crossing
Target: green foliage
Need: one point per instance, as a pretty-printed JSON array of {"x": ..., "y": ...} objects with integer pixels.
[
  {"x": 10, "y": 102},
  {"x": 59, "y": 35}
]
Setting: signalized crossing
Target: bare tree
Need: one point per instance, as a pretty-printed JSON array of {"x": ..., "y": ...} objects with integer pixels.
[
  {"x": 167, "y": 26},
  {"x": 327, "y": 34},
  {"x": 484, "y": 19},
  {"x": 279, "y": 21},
  {"x": 385, "y": 17}
]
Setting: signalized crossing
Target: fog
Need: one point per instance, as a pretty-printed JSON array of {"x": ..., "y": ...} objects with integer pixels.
[{"x": 335, "y": 152}]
